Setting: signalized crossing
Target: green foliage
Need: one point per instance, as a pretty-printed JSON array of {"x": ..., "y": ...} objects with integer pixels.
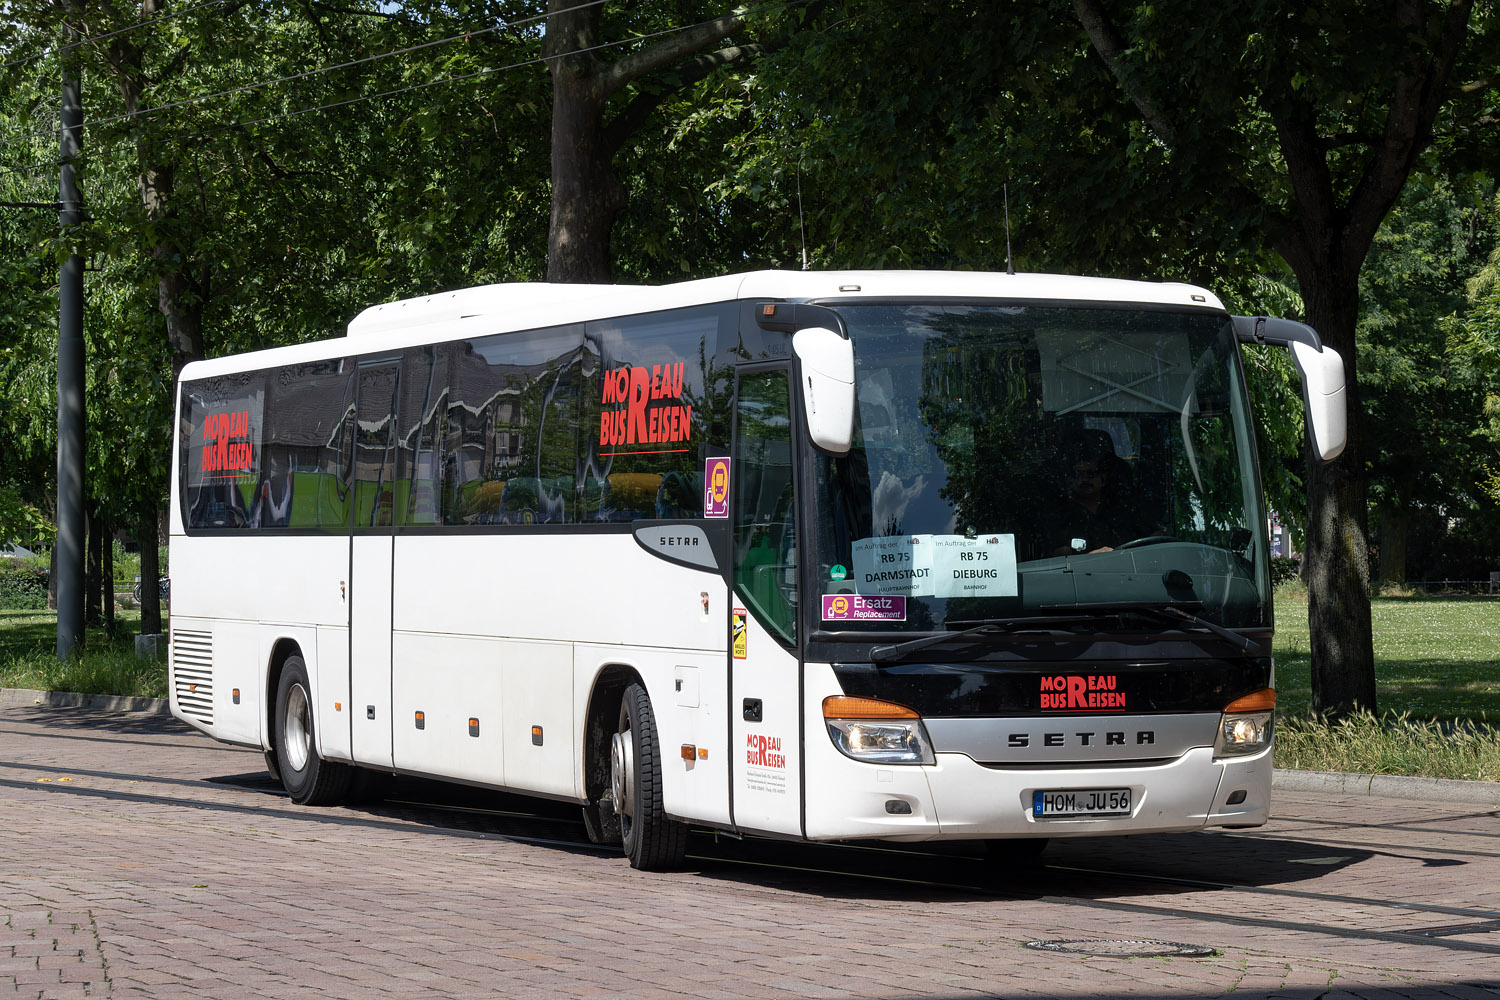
[
  {"x": 1391, "y": 744},
  {"x": 21, "y": 586},
  {"x": 102, "y": 666},
  {"x": 1284, "y": 570}
]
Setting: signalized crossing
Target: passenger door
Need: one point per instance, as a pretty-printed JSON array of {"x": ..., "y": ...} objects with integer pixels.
[
  {"x": 370, "y": 561},
  {"x": 765, "y": 676}
]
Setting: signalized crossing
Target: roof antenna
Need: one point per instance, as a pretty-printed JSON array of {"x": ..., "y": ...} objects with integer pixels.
[
  {"x": 802, "y": 225},
  {"x": 1009, "y": 267}
]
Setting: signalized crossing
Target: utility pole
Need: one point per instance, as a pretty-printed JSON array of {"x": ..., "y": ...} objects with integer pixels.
[{"x": 70, "y": 525}]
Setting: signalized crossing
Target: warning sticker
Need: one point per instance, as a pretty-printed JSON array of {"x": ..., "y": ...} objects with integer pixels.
[{"x": 741, "y": 635}]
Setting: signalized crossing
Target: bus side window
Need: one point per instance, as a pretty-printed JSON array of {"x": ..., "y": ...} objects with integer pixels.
[{"x": 765, "y": 527}]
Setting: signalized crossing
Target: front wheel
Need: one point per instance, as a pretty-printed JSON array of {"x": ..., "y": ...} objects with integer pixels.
[
  {"x": 653, "y": 842},
  {"x": 309, "y": 779}
]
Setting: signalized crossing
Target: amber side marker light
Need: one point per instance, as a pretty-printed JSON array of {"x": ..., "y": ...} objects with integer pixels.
[
  {"x": 846, "y": 707},
  {"x": 1263, "y": 700}
]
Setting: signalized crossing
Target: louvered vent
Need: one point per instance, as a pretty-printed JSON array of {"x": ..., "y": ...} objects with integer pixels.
[{"x": 193, "y": 673}]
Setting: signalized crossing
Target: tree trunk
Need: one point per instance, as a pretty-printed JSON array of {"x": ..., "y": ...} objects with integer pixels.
[
  {"x": 1395, "y": 522},
  {"x": 150, "y": 571},
  {"x": 1338, "y": 556},
  {"x": 586, "y": 194},
  {"x": 93, "y": 608},
  {"x": 107, "y": 592}
]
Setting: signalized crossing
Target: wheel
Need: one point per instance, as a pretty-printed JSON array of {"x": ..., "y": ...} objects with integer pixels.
[
  {"x": 308, "y": 778},
  {"x": 652, "y": 841},
  {"x": 1017, "y": 849},
  {"x": 136, "y": 591}
]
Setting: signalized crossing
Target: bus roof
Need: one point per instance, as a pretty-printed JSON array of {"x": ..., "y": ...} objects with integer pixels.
[{"x": 487, "y": 309}]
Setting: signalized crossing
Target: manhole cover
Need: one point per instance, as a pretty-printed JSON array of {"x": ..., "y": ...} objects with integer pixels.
[{"x": 1125, "y": 949}]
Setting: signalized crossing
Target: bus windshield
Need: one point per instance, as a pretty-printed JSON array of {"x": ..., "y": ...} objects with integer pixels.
[{"x": 1030, "y": 460}]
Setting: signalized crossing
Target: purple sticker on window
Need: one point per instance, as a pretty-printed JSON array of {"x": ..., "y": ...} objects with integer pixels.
[
  {"x": 859, "y": 608},
  {"x": 716, "y": 487}
]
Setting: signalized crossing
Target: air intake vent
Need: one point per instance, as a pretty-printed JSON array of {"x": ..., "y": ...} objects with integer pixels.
[{"x": 193, "y": 673}]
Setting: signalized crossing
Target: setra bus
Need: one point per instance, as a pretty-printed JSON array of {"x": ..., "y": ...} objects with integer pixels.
[{"x": 823, "y": 556}]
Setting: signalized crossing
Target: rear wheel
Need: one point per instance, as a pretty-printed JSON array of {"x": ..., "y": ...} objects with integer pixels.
[
  {"x": 308, "y": 778},
  {"x": 652, "y": 841}
]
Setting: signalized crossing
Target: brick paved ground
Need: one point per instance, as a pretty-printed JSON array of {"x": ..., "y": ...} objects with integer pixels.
[{"x": 127, "y": 871}]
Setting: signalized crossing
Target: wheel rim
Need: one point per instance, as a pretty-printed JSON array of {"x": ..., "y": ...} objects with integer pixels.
[
  {"x": 297, "y": 731},
  {"x": 622, "y": 774}
]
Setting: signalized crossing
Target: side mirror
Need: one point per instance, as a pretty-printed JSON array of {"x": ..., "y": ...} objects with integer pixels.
[
  {"x": 1322, "y": 372},
  {"x": 826, "y": 376}
]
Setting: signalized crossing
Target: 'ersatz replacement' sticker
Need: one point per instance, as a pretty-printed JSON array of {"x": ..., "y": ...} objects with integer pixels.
[{"x": 860, "y": 608}]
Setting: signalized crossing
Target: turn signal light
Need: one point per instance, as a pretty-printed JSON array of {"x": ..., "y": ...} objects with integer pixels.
[
  {"x": 1263, "y": 700},
  {"x": 845, "y": 707}
]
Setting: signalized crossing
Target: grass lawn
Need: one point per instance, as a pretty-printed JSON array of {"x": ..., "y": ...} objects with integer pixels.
[
  {"x": 1436, "y": 659},
  {"x": 28, "y": 658}
]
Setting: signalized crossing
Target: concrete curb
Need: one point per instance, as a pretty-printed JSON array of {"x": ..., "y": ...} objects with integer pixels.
[
  {"x": 97, "y": 702},
  {"x": 1390, "y": 786}
]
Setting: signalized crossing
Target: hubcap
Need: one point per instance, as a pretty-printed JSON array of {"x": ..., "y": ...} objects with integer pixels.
[
  {"x": 621, "y": 773},
  {"x": 297, "y": 732}
]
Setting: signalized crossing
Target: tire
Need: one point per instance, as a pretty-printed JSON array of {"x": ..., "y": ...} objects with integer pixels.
[
  {"x": 308, "y": 778},
  {"x": 652, "y": 841}
]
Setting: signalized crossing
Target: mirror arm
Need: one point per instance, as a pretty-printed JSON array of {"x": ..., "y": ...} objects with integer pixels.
[
  {"x": 1276, "y": 332},
  {"x": 789, "y": 317}
]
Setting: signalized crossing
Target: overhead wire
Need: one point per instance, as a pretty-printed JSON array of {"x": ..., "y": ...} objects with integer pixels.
[
  {"x": 488, "y": 71},
  {"x": 313, "y": 72},
  {"x": 109, "y": 34}
]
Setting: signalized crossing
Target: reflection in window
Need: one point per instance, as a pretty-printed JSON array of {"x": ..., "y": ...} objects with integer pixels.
[
  {"x": 652, "y": 396},
  {"x": 499, "y": 425},
  {"x": 269, "y": 449},
  {"x": 765, "y": 529}
]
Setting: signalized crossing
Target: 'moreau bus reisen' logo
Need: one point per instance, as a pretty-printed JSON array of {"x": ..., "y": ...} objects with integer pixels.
[
  {"x": 640, "y": 422},
  {"x": 1086, "y": 693},
  {"x": 227, "y": 451}
]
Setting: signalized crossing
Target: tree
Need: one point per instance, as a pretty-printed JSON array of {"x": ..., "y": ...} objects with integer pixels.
[
  {"x": 587, "y": 193},
  {"x": 1149, "y": 140}
]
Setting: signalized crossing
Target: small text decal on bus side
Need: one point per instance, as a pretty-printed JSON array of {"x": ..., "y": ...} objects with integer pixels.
[{"x": 764, "y": 751}]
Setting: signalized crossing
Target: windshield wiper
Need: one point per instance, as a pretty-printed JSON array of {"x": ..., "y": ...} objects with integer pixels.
[
  {"x": 1166, "y": 612},
  {"x": 978, "y": 627}
]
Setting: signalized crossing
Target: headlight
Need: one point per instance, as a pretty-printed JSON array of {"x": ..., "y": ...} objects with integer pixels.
[
  {"x": 876, "y": 731},
  {"x": 1246, "y": 725}
]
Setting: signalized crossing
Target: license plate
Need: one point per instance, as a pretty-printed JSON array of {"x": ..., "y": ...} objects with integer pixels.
[{"x": 1081, "y": 802}]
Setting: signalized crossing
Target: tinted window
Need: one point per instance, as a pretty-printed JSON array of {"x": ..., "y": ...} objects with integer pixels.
[
  {"x": 269, "y": 448},
  {"x": 509, "y": 451},
  {"x": 649, "y": 407},
  {"x": 765, "y": 530}
]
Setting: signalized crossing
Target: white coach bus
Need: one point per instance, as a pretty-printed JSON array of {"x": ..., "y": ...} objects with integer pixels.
[{"x": 824, "y": 556}]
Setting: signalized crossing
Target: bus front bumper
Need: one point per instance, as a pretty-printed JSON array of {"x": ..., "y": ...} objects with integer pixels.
[{"x": 959, "y": 799}]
